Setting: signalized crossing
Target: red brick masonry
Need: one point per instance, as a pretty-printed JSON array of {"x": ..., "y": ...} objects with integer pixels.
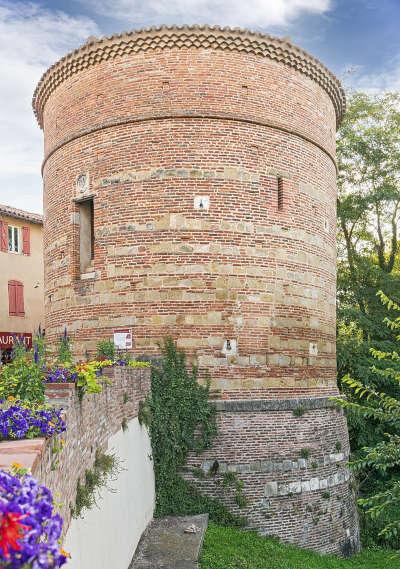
[
  {"x": 153, "y": 121},
  {"x": 90, "y": 424},
  {"x": 150, "y": 124},
  {"x": 292, "y": 457}
]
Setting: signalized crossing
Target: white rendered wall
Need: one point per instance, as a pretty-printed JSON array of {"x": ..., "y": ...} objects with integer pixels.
[{"x": 107, "y": 536}]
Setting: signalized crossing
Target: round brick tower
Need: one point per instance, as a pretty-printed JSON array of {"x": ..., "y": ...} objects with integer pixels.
[{"x": 190, "y": 190}]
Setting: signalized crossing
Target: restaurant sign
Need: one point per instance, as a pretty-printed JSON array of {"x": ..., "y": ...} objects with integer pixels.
[{"x": 7, "y": 339}]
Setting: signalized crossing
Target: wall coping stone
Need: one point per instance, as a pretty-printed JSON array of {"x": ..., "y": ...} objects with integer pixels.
[
  {"x": 26, "y": 452},
  {"x": 251, "y": 405}
]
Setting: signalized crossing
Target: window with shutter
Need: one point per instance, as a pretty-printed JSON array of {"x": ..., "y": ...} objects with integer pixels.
[
  {"x": 20, "y": 300},
  {"x": 14, "y": 241},
  {"x": 26, "y": 241},
  {"x": 12, "y": 300},
  {"x": 16, "y": 298}
]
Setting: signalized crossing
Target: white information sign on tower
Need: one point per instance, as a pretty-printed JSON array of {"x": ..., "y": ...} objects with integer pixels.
[{"x": 123, "y": 339}]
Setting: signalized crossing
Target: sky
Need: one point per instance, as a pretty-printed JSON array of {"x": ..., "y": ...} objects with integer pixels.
[{"x": 359, "y": 40}]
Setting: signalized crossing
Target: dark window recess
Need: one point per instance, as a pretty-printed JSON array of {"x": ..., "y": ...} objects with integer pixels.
[
  {"x": 280, "y": 193},
  {"x": 86, "y": 234}
]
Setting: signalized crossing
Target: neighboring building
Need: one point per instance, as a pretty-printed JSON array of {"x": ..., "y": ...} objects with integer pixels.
[
  {"x": 190, "y": 190},
  {"x": 21, "y": 276}
]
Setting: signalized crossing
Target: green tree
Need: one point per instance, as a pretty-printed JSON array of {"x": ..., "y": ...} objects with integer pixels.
[
  {"x": 378, "y": 465},
  {"x": 368, "y": 261},
  {"x": 368, "y": 248}
]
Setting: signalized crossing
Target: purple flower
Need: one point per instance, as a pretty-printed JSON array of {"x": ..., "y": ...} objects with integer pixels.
[
  {"x": 19, "y": 422},
  {"x": 37, "y": 546},
  {"x": 61, "y": 375}
]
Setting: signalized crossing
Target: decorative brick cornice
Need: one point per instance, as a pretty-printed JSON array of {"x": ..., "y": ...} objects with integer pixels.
[{"x": 207, "y": 37}]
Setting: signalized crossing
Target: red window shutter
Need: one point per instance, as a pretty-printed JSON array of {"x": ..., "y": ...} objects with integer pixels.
[
  {"x": 16, "y": 298},
  {"x": 26, "y": 241},
  {"x": 12, "y": 298},
  {"x": 20, "y": 299},
  {"x": 3, "y": 236}
]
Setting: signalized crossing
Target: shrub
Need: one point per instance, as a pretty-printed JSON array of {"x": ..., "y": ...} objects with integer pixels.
[
  {"x": 182, "y": 420},
  {"x": 381, "y": 461},
  {"x": 22, "y": 379},
  {"x": 106, "y": 349}
]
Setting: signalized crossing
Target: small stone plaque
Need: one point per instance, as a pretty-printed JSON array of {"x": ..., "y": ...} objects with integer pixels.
[
  {"x": 82, "y": 183},
  {"x": 230, "y": 348},
  {"x": 202, "y": 203}
]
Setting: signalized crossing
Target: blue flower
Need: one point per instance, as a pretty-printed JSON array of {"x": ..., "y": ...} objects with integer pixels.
[{"x": 38, "y": 545}]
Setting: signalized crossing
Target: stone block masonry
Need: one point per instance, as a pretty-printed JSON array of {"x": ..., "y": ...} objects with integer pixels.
[
  {"x": 208, "y": 157},
  {"x": 292, "y": 457}
]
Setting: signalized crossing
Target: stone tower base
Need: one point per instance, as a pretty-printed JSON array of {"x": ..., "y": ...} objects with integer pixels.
[{"x": 291, "y": 455}]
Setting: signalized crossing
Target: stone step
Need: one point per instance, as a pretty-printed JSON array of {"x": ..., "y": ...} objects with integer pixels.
[{"x": 166, "y": 545}]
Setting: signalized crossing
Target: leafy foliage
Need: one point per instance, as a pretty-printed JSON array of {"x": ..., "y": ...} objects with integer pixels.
[
  {"x": 368, "y": 211},
  {"x": 368, "y": 220},
  {"x": 182, "y": 420},
  {"x": 39, "y": 348},
  {"x": 382, "y": 459},
  {"x": 90, "y": 376},
  {"x": 106, "y": 466},
  {"x": 64, "y": 350},
  {"x": 22, "y": 379},
  {"x": 106, "y": 349}
]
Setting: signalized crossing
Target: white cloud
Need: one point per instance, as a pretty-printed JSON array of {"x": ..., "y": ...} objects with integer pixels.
[
  {"x": 252, "y": 13},
  {"x": 387, "y": 79},
  {"x": 31, "y": 39}
]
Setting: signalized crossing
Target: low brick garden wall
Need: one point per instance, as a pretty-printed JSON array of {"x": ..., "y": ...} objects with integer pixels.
[{"x": 90, "y": 424}]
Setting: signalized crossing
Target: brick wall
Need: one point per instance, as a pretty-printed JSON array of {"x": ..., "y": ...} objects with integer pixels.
[
  {"x": 155, "y": 128},
  {"x": 294, "y": 467},
  {"x": 90, "y": 424}
]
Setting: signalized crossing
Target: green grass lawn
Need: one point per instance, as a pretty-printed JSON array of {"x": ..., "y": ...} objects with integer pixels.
[{"x": 228, "y": 548}]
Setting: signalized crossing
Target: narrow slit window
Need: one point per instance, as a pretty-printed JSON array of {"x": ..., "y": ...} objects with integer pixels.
[
  {"x": 86, "y": 234},
  {"x": 280, "y": 194}
]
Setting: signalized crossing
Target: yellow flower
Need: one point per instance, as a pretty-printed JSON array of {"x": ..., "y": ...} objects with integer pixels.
[
  {"x": 17, "y": 465},
  {"x": 65, "y": 553},
  {"x": 10, "y": 398}
]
